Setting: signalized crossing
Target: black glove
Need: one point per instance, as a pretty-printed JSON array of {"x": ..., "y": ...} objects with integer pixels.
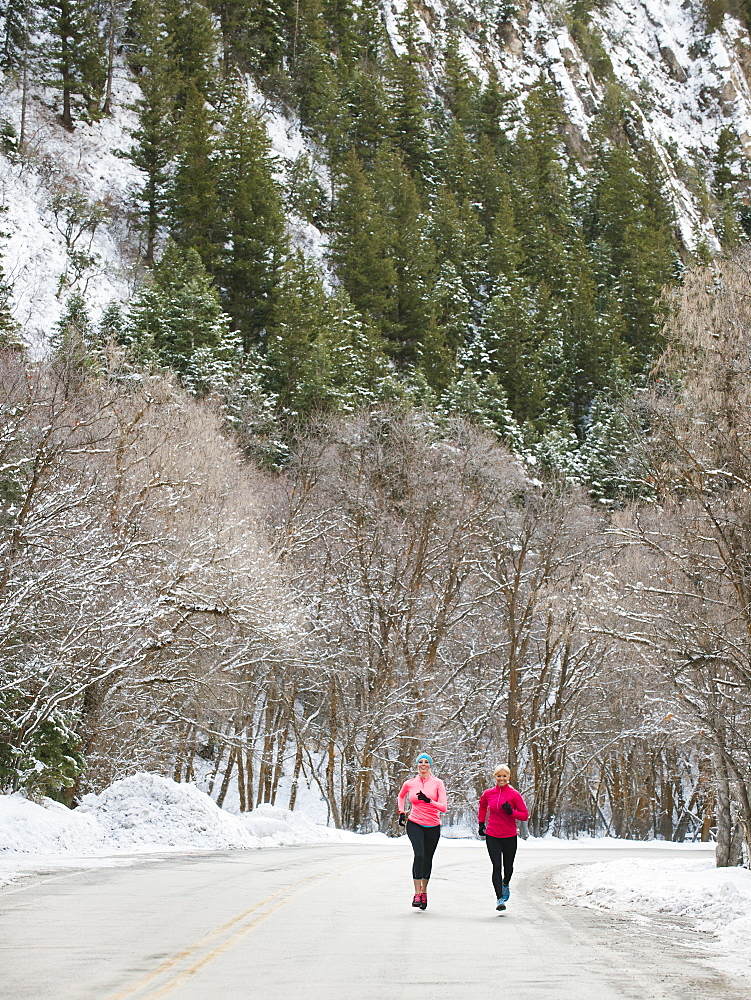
[
  {"x": 481, "y": 829},
  {"x": 402, "y": 819},
  {"x": 423, "y": 797},
  {"x": 507, "y": 808}
]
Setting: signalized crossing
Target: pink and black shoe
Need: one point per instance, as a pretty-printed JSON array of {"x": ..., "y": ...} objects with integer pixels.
[
  {"x": 417, "y": 899},
  {"x": 423, "y": 904}
]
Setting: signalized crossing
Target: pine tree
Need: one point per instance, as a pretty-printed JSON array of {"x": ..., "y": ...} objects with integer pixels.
[
  {"x": 510, "y": 340},
  {"x": 461, "y": 87},
  {"x": 609, "y": 458},
  {"x": 178, "y": 313},
  {"x": 111, "y": 325},
  {"x": 506, "y": 257},
  {"x": 192, "y": 46},
  {"x": 455, "y": 159},
  {"x": 409, "y": 130},
  {"x": 453, "y": 307},
  {"x": 360, "y": 249},
  {"x": 540, "y": 188},
  {"x": 320, "y": 354},
  {"x": 254, "y": 238},
  {"x": 300, "y": 318},
  {"x": 362, "y": 117},
  {"x": 312, "y": 67},
  {"x": 74, "y": 347},
  {"x": 495, "y": 115},
  {"x": 18, "y": 21},
  {"x": 155, "y": 137},
  {"x": 194, "y": 201},
  {"x": 253, "y": 33},
  {"x": 585, "y": 352},
  {"x": 75, "y": 54},
  {"x": 729, "y": 172},
  {"x": 410, "y": 252},
  {"x": 340, "y": 16},
  {"x": 459, "y": 238},
  {"x": 629, "y": 226},
  {"x": 483, "y": 402}
]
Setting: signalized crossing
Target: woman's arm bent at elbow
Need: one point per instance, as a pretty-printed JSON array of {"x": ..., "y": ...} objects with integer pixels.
[
  {"x": 402, "y": 798},
  {"x": 440, "y": 803},
  {"x": 520, "y": 810}
]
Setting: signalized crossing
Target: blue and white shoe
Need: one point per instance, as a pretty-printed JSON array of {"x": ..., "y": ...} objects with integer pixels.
[
  {"x": 501, "y": 905},
  {"x": 505, "y": 893}
]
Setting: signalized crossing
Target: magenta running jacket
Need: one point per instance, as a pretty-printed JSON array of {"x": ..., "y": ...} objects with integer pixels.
[{"x": 499, "y": 823}]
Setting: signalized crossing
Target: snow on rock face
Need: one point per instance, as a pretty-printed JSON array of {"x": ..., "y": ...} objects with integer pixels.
[
  {"x": 685, "y": 86},
  {"x": 36, "y": 257}
]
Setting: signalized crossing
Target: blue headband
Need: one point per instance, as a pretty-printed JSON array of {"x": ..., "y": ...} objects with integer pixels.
[{"x": 425, "y": 756}]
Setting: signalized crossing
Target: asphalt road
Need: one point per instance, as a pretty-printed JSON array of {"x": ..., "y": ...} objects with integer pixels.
[{"x": 334, "y": 922}]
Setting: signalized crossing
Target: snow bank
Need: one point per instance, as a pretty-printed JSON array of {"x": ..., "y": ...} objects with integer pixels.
[
  {"x": 142, "y": 813},
  {"x": 152, "y": 812},
  {"x": 716, "y": 900},
  {"x": 46, "y": 828}
]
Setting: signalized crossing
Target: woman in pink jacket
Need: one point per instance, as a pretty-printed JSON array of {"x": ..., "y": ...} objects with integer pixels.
[
  {"x": 500, "y": 808},
  {"x": 427, "y": 797}
]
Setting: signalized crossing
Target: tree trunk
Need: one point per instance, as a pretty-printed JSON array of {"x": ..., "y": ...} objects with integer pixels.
[
  {"x": 240, "y": 773},
  {"x": 227, "y": 777},
  {"x": 217, "y": 765},
  {"x": 295, "y": 777},
  {"x": 249, "y": 775},
  {"x": 331, "y": 761},
  {"x": 65, "y": 64},
  {"x": 107, "y": 108},
  {"x": 724, "y": 818}
]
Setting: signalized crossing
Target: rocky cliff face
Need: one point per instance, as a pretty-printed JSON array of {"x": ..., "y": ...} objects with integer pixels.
[
  {"x": 686, "y": 85},
  {"x": 686, "y": 82}
]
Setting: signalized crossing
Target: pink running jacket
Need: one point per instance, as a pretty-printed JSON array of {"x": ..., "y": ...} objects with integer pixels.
[{"x": 424, "y": 813}]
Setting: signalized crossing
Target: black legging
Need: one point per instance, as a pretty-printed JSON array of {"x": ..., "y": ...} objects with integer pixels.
[
  {"x": 424, "y": 842},
  {"x": 501, "y": 849}
]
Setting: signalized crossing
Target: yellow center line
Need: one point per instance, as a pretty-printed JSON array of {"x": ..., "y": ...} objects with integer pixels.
[
  {"x": 288, "y": 892},
  {"x": 186, "y": 974},
  {"x": 191, "y": 949}
]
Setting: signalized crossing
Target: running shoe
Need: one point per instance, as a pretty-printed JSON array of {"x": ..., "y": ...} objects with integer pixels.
[
  {"x": 423, "y": 900},
  {"x": 505, "y": 893},
  {"x": 417, "y": 899},
  {"x": 501, "y": 904}
]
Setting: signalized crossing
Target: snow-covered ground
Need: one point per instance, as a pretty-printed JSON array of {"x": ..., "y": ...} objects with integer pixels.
[
  {"x": 136, "y": 815},
  {"x": 715, "y": 901}
]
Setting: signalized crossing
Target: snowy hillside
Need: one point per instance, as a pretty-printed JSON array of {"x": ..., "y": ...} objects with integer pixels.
[{"x": 685, "y": 86}]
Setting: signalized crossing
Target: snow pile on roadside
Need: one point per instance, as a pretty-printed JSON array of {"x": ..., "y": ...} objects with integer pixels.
[
  {"x": 152, "y": 812},
  {"x": 46, "y": 828},
  {"x": 275, "y": 827},
  {"x": 716, "y": 900},
  {"x": 146, "y": 812}
]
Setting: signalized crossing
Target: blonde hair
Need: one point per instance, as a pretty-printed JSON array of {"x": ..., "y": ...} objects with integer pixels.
[{"x": 501, "y": 767}]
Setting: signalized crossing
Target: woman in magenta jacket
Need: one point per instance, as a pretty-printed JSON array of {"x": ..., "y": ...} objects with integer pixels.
[
  {"x": 500, "y": 808},
  {"x": 427, "y": 797}
]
